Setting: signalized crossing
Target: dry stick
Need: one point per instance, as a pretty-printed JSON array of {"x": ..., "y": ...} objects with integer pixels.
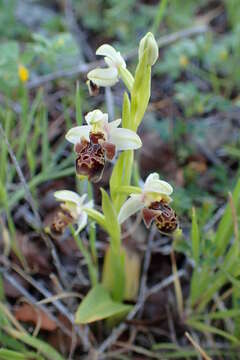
[
  {"x": 84, "y": 68},
  {"x": 197, "y": 347},
  {"x": 168, "y": 281},
  {"x": 58, "y": 305},
  {"x": 33, "y": 301},
  {"x": 146, "y": 264}
]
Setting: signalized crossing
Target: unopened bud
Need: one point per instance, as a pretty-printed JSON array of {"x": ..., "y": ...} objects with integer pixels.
[{"x": 149, "y": 42}]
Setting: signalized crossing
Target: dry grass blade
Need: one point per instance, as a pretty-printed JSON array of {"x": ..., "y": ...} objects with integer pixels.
[
  {"x": 197, "y": 347},
  {"x": 177, "y": 286},
  {"x": 59, "y": 296}
]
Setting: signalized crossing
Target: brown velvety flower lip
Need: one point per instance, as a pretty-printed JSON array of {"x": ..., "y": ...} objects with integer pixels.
[
  {"x": 90, "y": 160},
  {"x": 166, "y": 220}
]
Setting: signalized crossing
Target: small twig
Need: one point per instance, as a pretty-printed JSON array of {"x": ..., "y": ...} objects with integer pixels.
[
  {"x": 146, "y": 264},
  {"x": 33, "y": 301},
  {"x": 215, "y": 218},
  {"x": 168, "y": 281},
  {"x": 197, "y": 347},
  {"x": 85, "y": 68},
  {"x": 58, "y": 305}
]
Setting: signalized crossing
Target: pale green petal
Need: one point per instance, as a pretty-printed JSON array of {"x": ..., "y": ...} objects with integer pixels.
[
  {"x": 124, "y": 139},
  {"x": 107, "y": 50},
  {"x": 75, "y": 134},
  {"x": 103, "y": 77},
  {"x": 152, "y": 176},
  {"x": 157, "y": 186},
  {"x": 130, "y": 207},
  {"x": 114, "y": 124},
  {"x": 110, "y": 53},
  {"x": 95, "y": 116}
]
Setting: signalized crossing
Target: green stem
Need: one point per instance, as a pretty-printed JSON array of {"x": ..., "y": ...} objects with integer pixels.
[
  {"x": 98, "y": 217},
  {"x": 128, "y": 189},
  {"x": 91, "y": 268},
  {"x": 126, "y": 77}
]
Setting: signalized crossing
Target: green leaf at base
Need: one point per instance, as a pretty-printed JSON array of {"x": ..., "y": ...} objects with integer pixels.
[{"x": 98, "y": 305}]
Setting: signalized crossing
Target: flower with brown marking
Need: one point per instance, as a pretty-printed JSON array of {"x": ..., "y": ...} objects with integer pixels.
[
  {"x": 153, "y": 202},
  {"x": 99, "y": 141}
]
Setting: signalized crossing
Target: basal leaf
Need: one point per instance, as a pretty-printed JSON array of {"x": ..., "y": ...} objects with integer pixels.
[{"x": 98, "y": 305}]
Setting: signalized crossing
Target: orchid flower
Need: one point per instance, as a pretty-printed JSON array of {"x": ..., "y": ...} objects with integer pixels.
[
  {"x": 74, "y": 205},
  {"x": 153, "y": 202},
  {"x": 97, "y": 140},
  {"x": 116, "y": 67}
]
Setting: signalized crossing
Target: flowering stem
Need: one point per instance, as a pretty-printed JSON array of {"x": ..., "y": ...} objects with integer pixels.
[
  {"x": 126, "y": 77},
  {"x": 97, "y": 216},
  {"x": 128, "y": 189},
  {"x": 93, "y": 273}
]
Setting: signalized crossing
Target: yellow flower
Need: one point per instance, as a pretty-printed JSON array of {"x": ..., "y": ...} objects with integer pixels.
[
  {"x": 23, "y": 73},
  {"x": 183, "y": 60}
]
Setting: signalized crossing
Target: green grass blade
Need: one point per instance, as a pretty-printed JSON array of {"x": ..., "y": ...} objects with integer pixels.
[
  {"x": 212, "y": 330},
  {"x": 46, "y": 350},
  {"x": 159, "y": 15},
  {"x": 225, "y": 227},
  {"x": 79, "y": 117},
  {"x": 195, "y": 237}
]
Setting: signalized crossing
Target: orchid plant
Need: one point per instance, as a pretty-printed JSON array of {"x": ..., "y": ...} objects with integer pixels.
[{"x": 95, "y": 143}]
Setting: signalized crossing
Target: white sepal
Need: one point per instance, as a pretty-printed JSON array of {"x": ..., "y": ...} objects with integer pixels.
[
  {"x": 124, "y": 139},
  {"x": 68, "y": 196},
  {"x": 75, "y": 134},
  {"x": 112, "y": 57},
  {"x": 154, "y": 185},
  {"x": 130, "y": 207},
  {"x": 103, "y": 77}
]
